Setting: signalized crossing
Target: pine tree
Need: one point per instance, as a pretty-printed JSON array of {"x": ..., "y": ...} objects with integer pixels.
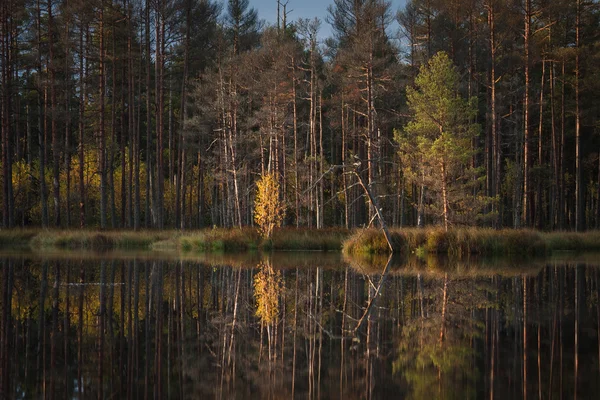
[{"x": 435, "y": 145}]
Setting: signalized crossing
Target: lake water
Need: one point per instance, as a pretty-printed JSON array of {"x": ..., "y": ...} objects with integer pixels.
[{"x": 282, "y": 326}]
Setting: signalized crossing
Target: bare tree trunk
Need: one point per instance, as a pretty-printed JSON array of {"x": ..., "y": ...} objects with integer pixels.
[
  {"x": 159, "y": 67},
  {"x": 526, "y": 153},
  {"x": 149, "y": 192},
  {"x": 131, "y": 125},
  {"x": 554, "y": 202},
  {"x": 445, "y": 194},
  {"x": 180, "y": 190},
  {"x": 296, "y": 175},
  {"x": 113, "y": 135},
  {"x": 54, "y": 117},
  {"x": 539, "y": 211},
  {"x": 82, "y": 103},
  {"x": 579, "y": 203},
  {"x": 102, "y": 146},
  {"x": 494, "y": 164},
  {"x": 67, "y": 122},
  {"x": 123, "y": 154},
  {"x": 562, "y": 210},
  {"x": 41, "y": 126}
]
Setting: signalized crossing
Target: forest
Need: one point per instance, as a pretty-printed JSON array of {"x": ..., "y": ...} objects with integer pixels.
[{"x": 165, "y": 113}]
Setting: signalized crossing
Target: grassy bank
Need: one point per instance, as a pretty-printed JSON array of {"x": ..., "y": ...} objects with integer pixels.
[
  {"x": 466, "y": 241},
  {"x": 457, "y": 242},
  {"x": 208, "y": 240}
]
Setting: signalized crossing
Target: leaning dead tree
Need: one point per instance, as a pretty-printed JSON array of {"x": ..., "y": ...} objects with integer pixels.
[{"x": 373, "y": 200}]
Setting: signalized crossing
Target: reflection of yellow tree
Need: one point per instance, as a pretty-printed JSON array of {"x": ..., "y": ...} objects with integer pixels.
[{"x": 267, "y": 287}]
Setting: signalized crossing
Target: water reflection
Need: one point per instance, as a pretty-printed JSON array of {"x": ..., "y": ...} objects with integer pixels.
[{"x": 282, "y": 327}]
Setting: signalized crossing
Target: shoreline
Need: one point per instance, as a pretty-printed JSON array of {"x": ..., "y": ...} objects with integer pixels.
[{"x": 459, "y": 243}]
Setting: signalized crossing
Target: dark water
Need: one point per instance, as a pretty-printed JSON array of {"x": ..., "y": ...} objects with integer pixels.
[{"x": 295, "y": 326}]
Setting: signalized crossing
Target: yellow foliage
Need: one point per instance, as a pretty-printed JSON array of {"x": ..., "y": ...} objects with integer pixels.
[{"x": 269, "y": 210}]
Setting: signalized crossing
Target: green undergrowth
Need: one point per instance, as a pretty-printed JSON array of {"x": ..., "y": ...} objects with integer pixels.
[{"x": 462, "y": 242}]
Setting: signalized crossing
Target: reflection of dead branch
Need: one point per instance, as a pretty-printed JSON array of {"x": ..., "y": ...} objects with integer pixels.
[{"x": 375, "y": 296}]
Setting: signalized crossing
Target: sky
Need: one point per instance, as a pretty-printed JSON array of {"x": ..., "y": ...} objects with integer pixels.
[{"x": 267, "y": 10}]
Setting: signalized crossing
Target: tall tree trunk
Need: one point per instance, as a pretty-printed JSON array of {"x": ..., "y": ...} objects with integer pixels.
[
  {"x": 295, "y": 122},
  {"x": 82, "y": 103},
  {"x": 113, "y": 131},
  {"x": 54, "y": 117},
  {"x": 556, "y": 179},
  {"x": 579, "y": 203},
  {"x": 539, "y": 209},
  {"x": 131, "y": 121},
  {"x": 159, "y": 83},
  {"x": 101, "y": 133},
  {"x": 495, "y": 137},
  {"x": 5, "y": 114},
  {"x": 67, "y": 122},
  {"x": 123, "y": 154},
  {"x": 137, "y": 138},
  {"x": 149, "y": 192},
  {"x": 526, "y": 153},
  {"x": 562, "y": 210},
  {"x": 41, "y": 126},
  {"x": 180, "y": 184}
]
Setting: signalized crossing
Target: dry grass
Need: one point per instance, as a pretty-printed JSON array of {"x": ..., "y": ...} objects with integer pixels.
[
  {"x": 206, "y": 240},
  {"x": 459, "y": 243},
  {"x": 466, "y": 241}
]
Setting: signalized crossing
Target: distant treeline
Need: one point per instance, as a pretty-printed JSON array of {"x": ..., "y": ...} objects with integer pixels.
[{"x": 155, "y": 114}]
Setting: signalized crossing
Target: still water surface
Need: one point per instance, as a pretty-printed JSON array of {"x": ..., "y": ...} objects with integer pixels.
[{"x": 138, "y": 326}]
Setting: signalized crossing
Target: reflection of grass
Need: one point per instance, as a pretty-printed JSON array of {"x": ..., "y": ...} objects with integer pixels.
[
  {"x": 440, "y": 264},
  {"x": 466, "y": 241}
]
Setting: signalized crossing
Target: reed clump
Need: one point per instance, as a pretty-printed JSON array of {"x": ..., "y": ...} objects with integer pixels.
[
  {"x": 372, "y": 241},
  {"x": 459, "y": 242},
  {"x": 220, "y": 240}
]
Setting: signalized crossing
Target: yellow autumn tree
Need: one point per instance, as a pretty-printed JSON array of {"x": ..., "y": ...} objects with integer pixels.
[{"x": 269, "y": 210}]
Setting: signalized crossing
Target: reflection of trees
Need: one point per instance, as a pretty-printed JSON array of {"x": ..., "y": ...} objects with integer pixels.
[
  {"x": 435, "y": 354},
  {"x": 127, "y": 329}
]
